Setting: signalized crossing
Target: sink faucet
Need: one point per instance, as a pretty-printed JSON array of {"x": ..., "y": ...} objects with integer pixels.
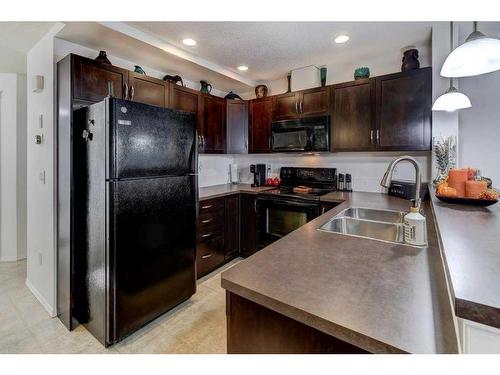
[{"x": 386, "y": 180}]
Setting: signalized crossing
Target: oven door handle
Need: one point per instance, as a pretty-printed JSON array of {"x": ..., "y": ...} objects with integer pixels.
[{"x": 283, "y": 202}]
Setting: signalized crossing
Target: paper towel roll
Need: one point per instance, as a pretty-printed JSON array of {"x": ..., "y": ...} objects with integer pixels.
[{"x": 233, "y": 168}]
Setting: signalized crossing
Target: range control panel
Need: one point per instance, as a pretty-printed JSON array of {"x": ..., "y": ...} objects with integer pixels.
[{"x": 295, "y": 175}]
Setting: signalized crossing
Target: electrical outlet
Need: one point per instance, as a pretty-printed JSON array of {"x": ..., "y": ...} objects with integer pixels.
[
  {"x": 199, "y": 166},
  {"x": 40, "y": 258}
]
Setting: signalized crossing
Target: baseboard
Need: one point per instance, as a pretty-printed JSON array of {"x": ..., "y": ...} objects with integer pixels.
[
  {"x": 40, "y": 299},
  {"x": 13, "y": 259}
]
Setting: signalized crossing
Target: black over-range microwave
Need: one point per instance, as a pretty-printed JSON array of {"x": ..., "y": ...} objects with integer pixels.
[{"x": 301, "y": 135}]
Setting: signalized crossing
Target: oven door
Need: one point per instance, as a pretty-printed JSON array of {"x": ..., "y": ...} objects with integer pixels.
[{"x": 277, "y": 217}]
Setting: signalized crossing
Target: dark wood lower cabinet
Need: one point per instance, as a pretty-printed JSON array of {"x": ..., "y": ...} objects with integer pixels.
[
  {"x": 248, "y": 225},
  {"x": 255, "y": 329},
  {"x": 217, "y": 235},
  {"x": 232, "y": 227}
]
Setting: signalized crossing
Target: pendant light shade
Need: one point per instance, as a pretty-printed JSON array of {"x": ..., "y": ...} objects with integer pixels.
[
  {"x": 478, "y": 55},
  {"x": 451, "y": 100}
]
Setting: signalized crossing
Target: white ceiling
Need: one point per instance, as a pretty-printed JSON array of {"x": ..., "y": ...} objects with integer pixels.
[
  {"x": 16, "y": 39},
  {"x": 271, "y": 49},
  {"x": 21, "y": 36}
]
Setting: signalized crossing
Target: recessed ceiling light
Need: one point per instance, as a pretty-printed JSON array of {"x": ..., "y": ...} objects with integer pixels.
[
  {"x": 341, "y": 39},
  {"x": 189, "y": 42},
  {"x": 243, "y": 68}
]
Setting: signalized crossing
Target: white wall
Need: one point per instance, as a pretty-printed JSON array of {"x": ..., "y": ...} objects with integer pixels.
[
  {"x": 41, "y": 277},
  {"x": 12, "y": 167},
  {"x": 337, "y": 73},
  {"x": 366, "y": 168}
]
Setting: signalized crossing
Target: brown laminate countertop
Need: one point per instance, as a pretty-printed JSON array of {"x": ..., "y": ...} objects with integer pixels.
[
  {"x": 470, "y": 238},
  {"x": 382, "y": 297},
  {"x": 216, "y": 191}
]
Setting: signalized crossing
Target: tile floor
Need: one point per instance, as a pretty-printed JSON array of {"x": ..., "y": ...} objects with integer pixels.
[{"x": 195, "y": 326}]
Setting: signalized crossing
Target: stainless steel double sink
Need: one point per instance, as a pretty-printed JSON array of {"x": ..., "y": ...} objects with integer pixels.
[{"x": 380, "y": 225}]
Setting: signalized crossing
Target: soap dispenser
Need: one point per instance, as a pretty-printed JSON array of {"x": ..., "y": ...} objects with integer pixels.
[{"x": 415, "y": 226}]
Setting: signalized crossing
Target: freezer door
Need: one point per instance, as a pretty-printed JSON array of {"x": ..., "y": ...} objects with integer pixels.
[
  {"x": 150, "y": 141},
  {"x": 153, "y": 248}
]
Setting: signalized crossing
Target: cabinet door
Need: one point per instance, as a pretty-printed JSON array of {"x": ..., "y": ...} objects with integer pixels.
[
  {"x": 214, "y": 125},
  {"x": 183, "y": 98},
  {"x": 232, "y": 226},
  {"x": 260, "y": 117},
  {"x": 286, "y": 106},
  {"x": 352, "y": 117},
  {"x": 248, "y": 225},
  {"x": 186, "y": 99},
  {"x": 404, "y": 102},
  {"x": 237, "y": 126},
  {"x": 147, "y": 90},
  {"x": 314, "y": 102},
  {"x": 91, "y": 80}
]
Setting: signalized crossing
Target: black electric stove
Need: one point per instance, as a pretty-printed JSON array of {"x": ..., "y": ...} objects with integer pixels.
[
  {"x": 321, "y": 180},
  {"x": 281, "y": 210}
]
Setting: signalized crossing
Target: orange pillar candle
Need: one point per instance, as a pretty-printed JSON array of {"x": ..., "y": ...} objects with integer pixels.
[
  {"x": 457, "y": 179},
  {"x": 473, "y": 189}
]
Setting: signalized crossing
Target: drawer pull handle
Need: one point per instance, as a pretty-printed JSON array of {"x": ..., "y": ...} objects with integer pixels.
[
  {"x": 205, "y": 207},
  {"x": 206, "y": 235},
  {"x": 206, "y": 256},
  {"x": 207, "y": 221}
]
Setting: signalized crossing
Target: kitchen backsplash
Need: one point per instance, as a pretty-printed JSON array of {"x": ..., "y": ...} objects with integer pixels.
[{"x": 366, "y": 168}]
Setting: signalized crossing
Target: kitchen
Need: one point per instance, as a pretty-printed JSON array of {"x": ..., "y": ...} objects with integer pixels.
[{"x": 294, "y": 207}]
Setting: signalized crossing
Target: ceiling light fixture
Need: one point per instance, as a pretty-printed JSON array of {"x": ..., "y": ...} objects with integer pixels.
[
  {"x": 478, "y": 55},
  {"x": 452, "y": 99},
  {"x": 189, "y": 42},
  {"x": 243, "y": 68},
  {"x": 341, "y": 39}
]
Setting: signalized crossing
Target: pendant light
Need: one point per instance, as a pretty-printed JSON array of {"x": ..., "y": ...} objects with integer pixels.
[
  {"x": 478, "y": 55},
  {"x": 452, "y": 99}
]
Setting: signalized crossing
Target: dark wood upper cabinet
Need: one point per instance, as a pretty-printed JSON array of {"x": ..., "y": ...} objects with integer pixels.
[
  {"x": 314, "y": 102},
  {"x": 404, "y": 102},
  {"x": 292, "y": 105},
  {"x": 183, "y": 98},
  {"x": 213, "y": 125},
  {"x": 147, "y": 90},
  {"x": 260, "y": 117},
  {"x": 91, "y": 80},
  {"x": 286, "y": 106},
  {"x": 352, "y": 116}
]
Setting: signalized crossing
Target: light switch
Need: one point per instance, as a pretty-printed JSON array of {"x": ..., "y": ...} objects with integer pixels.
[{"x": 41, "y": 176}]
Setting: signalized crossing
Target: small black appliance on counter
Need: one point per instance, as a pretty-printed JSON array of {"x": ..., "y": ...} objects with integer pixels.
[
  {"x": 406, "y": 190},
  {"x": 259, "y": 174}
]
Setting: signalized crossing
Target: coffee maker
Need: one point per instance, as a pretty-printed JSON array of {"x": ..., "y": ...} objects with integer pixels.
[{"x": 259, "y": 174}]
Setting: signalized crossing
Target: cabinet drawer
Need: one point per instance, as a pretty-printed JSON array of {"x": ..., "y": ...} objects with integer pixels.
[
  {"x": 209, "y": 254},
  {"x": 207, "y": 235},
  {"x": 211, "y": 205},
  {"x": 210, "y": 221}
]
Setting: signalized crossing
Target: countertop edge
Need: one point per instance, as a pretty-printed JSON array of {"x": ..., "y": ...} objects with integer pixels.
[
  {"x": 342, "y": 333},
  {"x": 464, "y": 308}
]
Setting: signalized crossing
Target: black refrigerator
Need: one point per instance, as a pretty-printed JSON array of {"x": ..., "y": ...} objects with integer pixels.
[{"x": 137, "y": 205}]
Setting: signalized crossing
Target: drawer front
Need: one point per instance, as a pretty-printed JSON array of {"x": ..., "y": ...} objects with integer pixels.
[
  {"x": 209, "y": 253},
  {"x": 211, "y": 219},
  {"x": 211, "y": 205}
]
